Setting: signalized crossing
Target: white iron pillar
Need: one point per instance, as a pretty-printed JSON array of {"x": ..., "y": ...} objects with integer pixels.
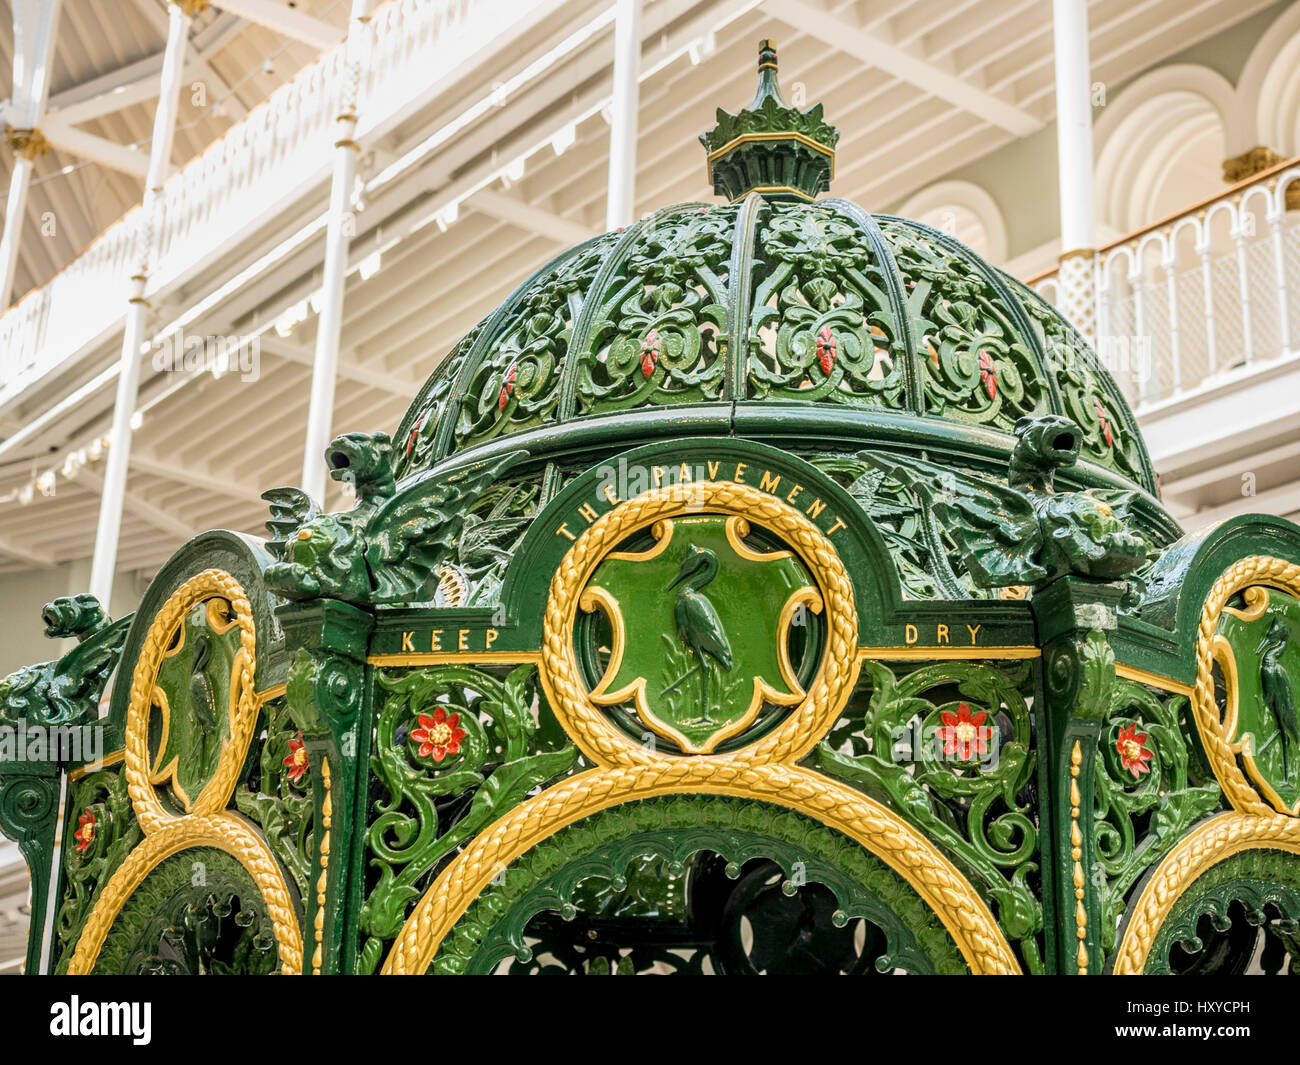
[
  {"x": 1076, "y": 279},
  {"x": 620, "y": 203},
  {"x": 117, "y": 461},
  {"x": 35, "y": 23},
  {"x": 341, "y": 228}
]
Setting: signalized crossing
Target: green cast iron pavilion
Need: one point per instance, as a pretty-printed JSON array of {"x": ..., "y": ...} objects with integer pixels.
[{"x": 766, "y": 587}]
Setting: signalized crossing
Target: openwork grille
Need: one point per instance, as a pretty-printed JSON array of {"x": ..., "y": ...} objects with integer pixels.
[{"x": 1208, "y": 295}]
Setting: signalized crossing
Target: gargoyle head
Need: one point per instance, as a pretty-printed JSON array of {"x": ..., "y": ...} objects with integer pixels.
[
  {"x": 366, "y": 461},
  {"x": 1044, "y": 444},
  {"x": 73, "y": 615}
]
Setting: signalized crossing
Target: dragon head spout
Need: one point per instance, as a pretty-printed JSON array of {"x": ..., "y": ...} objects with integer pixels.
[
  {"x": 1044, "y": 444},
  {"x": 366, "y": 461},
  {"x": 73, "y": 615}
]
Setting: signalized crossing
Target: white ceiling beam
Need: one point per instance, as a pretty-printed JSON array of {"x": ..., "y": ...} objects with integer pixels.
[
  {"x": 286, "y": 21},
  {"x": 98, "y": 149},
  {"x": 23, "y": 553},
  {"x": 160, "y": 519},
  {"x": 147, "y": 462},
  {"x": 907, "y": 66},
  {"x": 138, "y": 82},
  {"x": 347, "y": 368},
  {"x": 528, "y": 217}
]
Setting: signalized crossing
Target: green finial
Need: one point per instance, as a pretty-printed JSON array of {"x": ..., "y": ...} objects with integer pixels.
[{"x": 771, "y": 147}]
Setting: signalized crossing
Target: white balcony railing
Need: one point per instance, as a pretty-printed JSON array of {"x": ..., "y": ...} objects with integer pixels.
[
  {"x": 1203, "y": 295},
  {"x": 246, "y": 177}
]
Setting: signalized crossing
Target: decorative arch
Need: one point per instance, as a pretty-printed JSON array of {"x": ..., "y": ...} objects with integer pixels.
[
  {"x": 965, "y": 211},
  {"x": 1159, "y": 145},
  {"x": 1199, "y": 851},
  {"x": 1268, "y": 90}
]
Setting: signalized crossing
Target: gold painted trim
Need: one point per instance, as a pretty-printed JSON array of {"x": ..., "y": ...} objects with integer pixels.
[
  {"x": 242, "y": 711},
  {"x": 912, "y": 653},
  {"x": 449, "y": 658},
  {"x": 225, "y": 832},
  {"x": 764, "y": 771},
  {"x": 210, "y": 824},
  {"x": 662, "y": 531},
  {"x": 273, "y": 692},
  {"x": 322, "y": 882},
  {"x": 1201, "y": 849},
  {"x": 874, "y": 827},
  {"x": 774, "y": 189},
  {"x": 1154, "y": 680},
  {"x": 1258, "y": 798},
  {"x": 779, "y": 135},
  {"x": 737, "y": 528},
  {"x": 599, "y": 738},
  {"x": 1076, "y": 855},
  {"x": 94, "y": 767}
]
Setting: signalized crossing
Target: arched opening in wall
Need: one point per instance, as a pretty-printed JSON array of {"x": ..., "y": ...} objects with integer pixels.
[
  {"x": 964, "y": 211},
  {"x": 1164, "y": 154},
  {"x": 1269, "y": 87}
]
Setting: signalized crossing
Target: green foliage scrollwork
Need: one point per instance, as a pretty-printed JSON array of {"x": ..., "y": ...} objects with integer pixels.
[
  {"x": 98, "y": 801},
  {"x": 1148, "y": 793},
  {"x": 415, "y": 443},
  {"x": 979, "y": 367},
  {"x": 902, "y": 740},
  {"x": 821, "y": 327},
  {"x": 1110, "y": 436},
  {"x": 517, "y": 385},
  {"x": 271, "y": 797},
  {"x": 494, "y": 525},
  {"x": 437, "y": 782},
  {"x": 929, "y": 561},
  {"x": 387, "y": 547},
  {"x": 658, "y": 335}
]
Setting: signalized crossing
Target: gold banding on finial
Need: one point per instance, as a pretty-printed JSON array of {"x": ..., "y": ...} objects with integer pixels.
[{"x": 770, "y": 147}]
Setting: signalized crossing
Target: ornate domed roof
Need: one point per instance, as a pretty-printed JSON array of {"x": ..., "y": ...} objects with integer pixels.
[{"x": 775, "y": 316}]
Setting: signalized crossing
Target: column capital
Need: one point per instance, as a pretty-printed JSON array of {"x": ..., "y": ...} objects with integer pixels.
[{"x": 28, "y": 143}]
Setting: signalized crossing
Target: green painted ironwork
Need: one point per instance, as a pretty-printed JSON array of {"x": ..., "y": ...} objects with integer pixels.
[{"x": 903, "y": 448}]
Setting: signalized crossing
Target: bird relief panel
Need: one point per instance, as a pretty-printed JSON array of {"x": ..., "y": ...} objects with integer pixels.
[
  {"x": 700, "y": 628},
  {"x": 192, "y": 701},
  {"x": 1257, "y": 648}
]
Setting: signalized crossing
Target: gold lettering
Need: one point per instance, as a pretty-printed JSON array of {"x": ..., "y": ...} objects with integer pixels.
[
  {"x": 769, "y": 483},
  {"x": 815, "y": 507},
  {"x": 588, "y": 512},
  {"x": 657, "y": 472},
  {"x": 686, "y": 473},
  {"x": 463, "y": 642},
  {"x": 943, "y": 634},
  {"x": 609, "y": 494},
  {"x": 794, "y": 492},
  {"x": 407, "y": 645},
  {"x": 563, "y": 530},
  {"x": 740, "y": 473},
  {"x": 435, "y": 640},
  {"x": 974, "y": 631},
  {"x": 910, "y": 634},
  {"x": 835, "y": 528},
  {"x": 491, "y": 639},
  {"x": 713, "y": 470}
]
